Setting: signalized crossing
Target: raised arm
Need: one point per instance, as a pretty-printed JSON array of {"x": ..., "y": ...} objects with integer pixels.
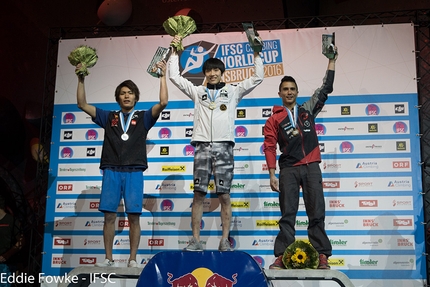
[
  {"x": 164, "y": 96},
  {"x": 81, "y": 97}
]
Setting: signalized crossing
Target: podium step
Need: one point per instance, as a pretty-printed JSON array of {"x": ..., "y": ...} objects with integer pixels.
[{"x": 202, "y": 268}]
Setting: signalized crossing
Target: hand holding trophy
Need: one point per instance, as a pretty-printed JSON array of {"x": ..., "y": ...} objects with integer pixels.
[
  {"x": 254, "y": 38},
  {"x": 328, "y": 46},
  {"x": 181, "y": 26}
]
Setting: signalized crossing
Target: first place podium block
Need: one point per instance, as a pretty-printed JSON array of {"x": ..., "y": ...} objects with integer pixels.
[{"x": 202, "y": 269}]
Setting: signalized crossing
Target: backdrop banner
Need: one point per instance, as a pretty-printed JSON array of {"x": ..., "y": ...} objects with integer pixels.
[{"x": 368, "y": 132}]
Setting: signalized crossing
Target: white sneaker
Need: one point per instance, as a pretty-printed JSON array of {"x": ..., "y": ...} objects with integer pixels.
[
  {"x": 106, "y": 263},
  {"x": 132, "y": 264}
]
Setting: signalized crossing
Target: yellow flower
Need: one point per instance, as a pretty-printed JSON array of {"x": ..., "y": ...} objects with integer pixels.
[{"x": 300, "y": 256}]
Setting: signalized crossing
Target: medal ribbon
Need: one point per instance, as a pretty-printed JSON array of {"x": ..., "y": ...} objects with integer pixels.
[
  {"x": 214, "y": 96},
  {"x": 290, "y": 116},
  {"x": 121, "y": 118}
]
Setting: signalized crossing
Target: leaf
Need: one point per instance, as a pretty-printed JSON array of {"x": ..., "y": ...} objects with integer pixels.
[{"x": 84, "y": 55}]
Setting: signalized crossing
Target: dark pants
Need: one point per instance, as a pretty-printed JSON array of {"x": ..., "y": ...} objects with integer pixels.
[{"x": 310, "y": 178}]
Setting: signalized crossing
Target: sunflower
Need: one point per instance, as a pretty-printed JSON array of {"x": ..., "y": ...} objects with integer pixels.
[{"x": 300, "y": 255}]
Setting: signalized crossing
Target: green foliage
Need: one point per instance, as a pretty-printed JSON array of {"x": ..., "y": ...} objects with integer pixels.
[
  {"x": 180, "y": 25},
  {"x": 84, "y": 55},
  {"x": 300, "y": 255}
]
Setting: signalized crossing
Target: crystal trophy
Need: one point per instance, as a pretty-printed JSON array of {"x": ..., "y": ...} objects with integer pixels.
[
  {"x": 253, "y": 37},
  {"x": 160, "y": 55},
  {"x": 328, "y": 45}
]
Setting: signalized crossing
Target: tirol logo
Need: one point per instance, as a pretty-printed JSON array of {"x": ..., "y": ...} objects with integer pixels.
[
  {"x": 164, "y": 133},
  {"x": 346, "y": 147},
  {"x": 400, "y": 128},
  {"x": 66, "y": 152},
  {"x": 368, "y": 203},
  {"x": 167, "y": 205},
  {"x": 331, "y": 184},
  {"x": 241, "y": 132},
  {"x": 402, "y": 222},
  {"x": 91, "y": 135},
  {"x": 87, "y": 260},
  {"x": 62, "y": 241},
  {"x": 69, "y": 118},
  {"x": 188, "y": 150},
  {"x": 201, "y": 277},
  {"x": 372, "y": 110},
  {"x": 320, "y": 129}
]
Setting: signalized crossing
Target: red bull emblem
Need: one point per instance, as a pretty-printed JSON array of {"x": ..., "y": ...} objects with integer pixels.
[{"x": 201, "y": 277}]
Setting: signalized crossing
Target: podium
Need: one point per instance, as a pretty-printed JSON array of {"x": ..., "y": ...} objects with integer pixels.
[{"x": 202, "y": 268}]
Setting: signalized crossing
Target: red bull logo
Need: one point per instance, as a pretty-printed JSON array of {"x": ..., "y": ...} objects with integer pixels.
[{"x": 201, "y": 277}]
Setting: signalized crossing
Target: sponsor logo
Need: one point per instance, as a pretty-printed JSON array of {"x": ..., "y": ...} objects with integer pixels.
[
  {"x": 165, "y": 115},
  {"x": 62, "y": 241},
  {"x": 402, "y": 222},
  {"x": 64, "y": 187},
  {"x": 399, "y": 109},
  {"x": 240, "y": 113},
  {"x": 173, "y": 168},
  {"x": 336, "y": 203},
  {"x": 368, "y": 203},
  {"x": 401, "y": 164},
  {"x": 240, "y": 204},
  {"x": 58, "y": 260},
  {"x": 164, "y": 150},
  {"x": 401, "y": 145},
  {"x": 188, "y": 132},
  {"x": 372, "y": 110},
  {"x": 345, "y": 110},
  {"x": 87, "y": 260},
  {"x": 265, "y": 113},
  {"x": 91, "y": 151},
  {"x": 331, "y": 184},
  {"x": 68, "y": 135},
  {"x": 372, "y": 128},
  {"x": 94, "y": 205},
  {"x": 155, "y": 242},
  {"x": 123, "y": 223}
]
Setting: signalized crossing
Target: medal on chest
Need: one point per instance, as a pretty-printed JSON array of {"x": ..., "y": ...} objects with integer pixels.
[{"x": 126, "y": 125}]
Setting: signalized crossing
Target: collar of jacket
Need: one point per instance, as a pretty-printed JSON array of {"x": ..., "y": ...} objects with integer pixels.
[{"x": 215, "y": 87}]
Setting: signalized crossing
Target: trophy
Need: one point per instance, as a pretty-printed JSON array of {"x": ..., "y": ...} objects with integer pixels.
[
  {"x": 254, "y": 40},
  {"x": 160, "y": 55},
  {"x": 328, "y": 46}
]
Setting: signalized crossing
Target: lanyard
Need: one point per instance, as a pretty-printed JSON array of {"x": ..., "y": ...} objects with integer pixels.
[
  {"x": 214, "y": 96},
  {"x": 127, "y": 125},
  {"x": 290, "y": 116}
]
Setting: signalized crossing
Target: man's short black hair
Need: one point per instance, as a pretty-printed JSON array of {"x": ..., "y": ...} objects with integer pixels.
[
  {"x": 129, "y": 84},
  {"x": 213, "y": 63},
  {"x": 288, "y": 79}
]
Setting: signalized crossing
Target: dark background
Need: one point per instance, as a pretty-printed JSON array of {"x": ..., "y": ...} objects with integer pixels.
[{"x": 25, "y": 33}]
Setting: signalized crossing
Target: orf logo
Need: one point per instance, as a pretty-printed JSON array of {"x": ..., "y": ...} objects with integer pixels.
[
  {"x": 320, "y": 129},
  {"x": 164, "y": 133},
  {"x": 241, "y": 132},
  {"x": 69, "y": 118},
  {"x": 66, "y": 152},
  {"x": 188, "y": 150},
  {"x": 123, "y": 223},
  {"x": 400, "y": 128},
  {"x": 91, "y": 135},
  {"x": 167, "y": 205},
  {"x": 346, "y": 147},
  {"x": 372, "y": 110}
]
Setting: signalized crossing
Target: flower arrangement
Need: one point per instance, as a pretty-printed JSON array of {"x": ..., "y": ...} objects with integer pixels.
[
  {"x": 86, "y": 56},
  {"x": 300, "y": 255}
]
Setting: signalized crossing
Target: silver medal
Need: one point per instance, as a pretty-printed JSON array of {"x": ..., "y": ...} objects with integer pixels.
[
  {"x": 124, "y": 137},
  {"x": 212, "y": 105}
]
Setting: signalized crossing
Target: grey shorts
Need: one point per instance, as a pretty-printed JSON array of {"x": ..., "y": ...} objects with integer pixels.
[{"x": 217, "y": 159}]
